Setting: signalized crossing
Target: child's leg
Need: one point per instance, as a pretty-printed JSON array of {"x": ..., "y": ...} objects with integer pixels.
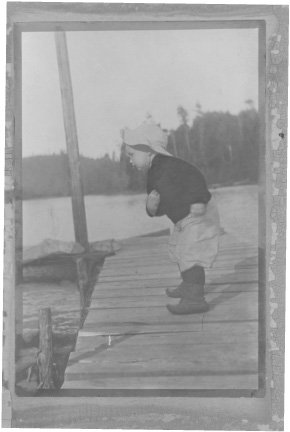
[
  {"x": 191, "y": 293},
  {"x": 193, "y": 276},
  {"x": 194, "y": 245}
]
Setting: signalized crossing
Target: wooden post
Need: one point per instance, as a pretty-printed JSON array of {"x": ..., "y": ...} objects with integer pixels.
[
  {"x": 83, "y": 281},
  {"x": 78, "y": 206},
  {"x": 44, "y": 359}
]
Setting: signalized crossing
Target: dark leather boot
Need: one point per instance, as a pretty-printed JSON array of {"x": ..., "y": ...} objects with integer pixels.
[
  {"x": 186, "y": 307},
  {"x": 189, "y": 277},
  {"x": 191, "y": 292},
  {"x": 178, "y": 292}
]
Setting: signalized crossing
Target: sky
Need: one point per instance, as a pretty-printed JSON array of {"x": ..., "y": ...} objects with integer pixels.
[{"x": 121, "y": 77}]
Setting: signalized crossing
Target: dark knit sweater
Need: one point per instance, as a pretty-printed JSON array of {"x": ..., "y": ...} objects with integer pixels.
[{"x": 179, "y": 184}]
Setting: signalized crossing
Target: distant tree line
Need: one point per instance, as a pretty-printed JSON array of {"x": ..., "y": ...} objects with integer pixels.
[
  {"x": 223, "y": 146},
  {"x": 49, "y": 176}
]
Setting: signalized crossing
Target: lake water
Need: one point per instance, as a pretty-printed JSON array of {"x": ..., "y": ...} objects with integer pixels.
[
  {"x": 123, "y": 216},
  {"x": 108, "y": 217}
]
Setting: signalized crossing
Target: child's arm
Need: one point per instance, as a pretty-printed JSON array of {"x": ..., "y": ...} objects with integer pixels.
[{"x": 152, "y": 202}]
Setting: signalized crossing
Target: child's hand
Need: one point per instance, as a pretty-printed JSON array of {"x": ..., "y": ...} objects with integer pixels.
[
  {"x": 198, "y": 209},
  {"x": 153, "y": 201}
]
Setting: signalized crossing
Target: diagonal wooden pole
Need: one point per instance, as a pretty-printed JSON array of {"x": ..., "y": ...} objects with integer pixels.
[{"x": 78, "y": 206}]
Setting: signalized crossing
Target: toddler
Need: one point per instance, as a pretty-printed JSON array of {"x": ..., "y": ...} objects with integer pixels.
[{"x": 178, "y": 190}]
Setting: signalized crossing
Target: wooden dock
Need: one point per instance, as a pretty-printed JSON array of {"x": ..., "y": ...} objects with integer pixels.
[{"x": 131, "y": 341}]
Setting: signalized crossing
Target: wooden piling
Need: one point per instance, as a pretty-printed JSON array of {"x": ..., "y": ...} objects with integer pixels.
[
  {"x": 44, "y": 359},
  {"x": 78, "y": 206}
]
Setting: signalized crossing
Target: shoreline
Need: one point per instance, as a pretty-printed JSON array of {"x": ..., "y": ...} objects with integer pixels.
[{"x": 129, "y": 193}]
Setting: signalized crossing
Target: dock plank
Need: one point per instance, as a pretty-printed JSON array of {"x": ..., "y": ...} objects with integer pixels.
[
  {"x": 228, "y": 382},
  {"x": 165, "y": 358},
  {"x": 152, "y": 287},
  {"x": 140, "y": 314},
  {"x": 238, "y": 275},
  {"x": 160, "y": 300},
  {"x": 167, "y": 267},
  {"x": 230, "y": 311},
  {"x": 248, "y": 332},
  {"x": 229, "y": 261}
]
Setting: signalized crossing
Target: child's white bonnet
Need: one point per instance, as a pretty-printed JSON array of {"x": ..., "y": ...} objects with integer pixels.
[{"x": 147, "y": 134}]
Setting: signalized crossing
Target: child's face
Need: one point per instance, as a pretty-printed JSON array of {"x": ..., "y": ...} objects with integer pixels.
[{"x": 139, "y": 159}]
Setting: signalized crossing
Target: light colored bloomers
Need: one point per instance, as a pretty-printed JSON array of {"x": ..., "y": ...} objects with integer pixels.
[{"x": 195, "y": 239}]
